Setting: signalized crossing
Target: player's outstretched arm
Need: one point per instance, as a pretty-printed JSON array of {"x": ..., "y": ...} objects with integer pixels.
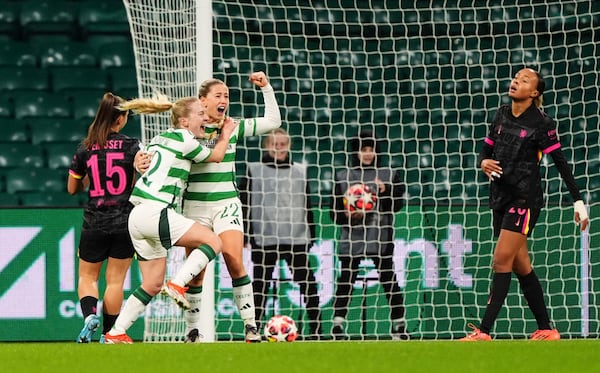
[{"x": 272, "y": 117}]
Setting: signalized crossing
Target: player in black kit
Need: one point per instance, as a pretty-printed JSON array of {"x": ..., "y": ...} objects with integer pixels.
[
  {"x": 104, "y": 163},
  {"x": 519, "y": 135}
]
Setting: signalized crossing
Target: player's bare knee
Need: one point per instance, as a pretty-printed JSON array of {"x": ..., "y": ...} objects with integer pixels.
[
  {"x": 215, "y": 243},
  {"x": 152, "y": 287}
]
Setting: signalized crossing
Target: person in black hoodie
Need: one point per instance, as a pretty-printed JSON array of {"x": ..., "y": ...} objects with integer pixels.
[
  {"x": 367, "y": 234},
  {"x": 275, "y": 197}
]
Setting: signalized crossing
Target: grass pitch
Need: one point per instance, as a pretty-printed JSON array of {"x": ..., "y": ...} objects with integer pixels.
[{"x": 365, "y": 357}]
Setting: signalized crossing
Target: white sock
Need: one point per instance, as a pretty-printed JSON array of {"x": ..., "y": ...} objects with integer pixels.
[
  {"x": 192, "y": 316},
  {"x": 193, "y": 265},
  {"x": 244, "y": 300},
  {"x": 129, "y": 314}
]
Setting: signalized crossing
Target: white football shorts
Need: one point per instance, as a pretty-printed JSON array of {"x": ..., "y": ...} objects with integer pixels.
[
  {"x": 154, "y": 229},
  {"x": 218, "y": 216}
]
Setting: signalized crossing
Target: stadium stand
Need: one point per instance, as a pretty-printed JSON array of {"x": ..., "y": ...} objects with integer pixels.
[
  {"x": 80, "y": 49},
  {"x": 17, "y": 53}
]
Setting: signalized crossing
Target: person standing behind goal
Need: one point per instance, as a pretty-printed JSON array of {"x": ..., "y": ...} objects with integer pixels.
[
  {"x": 275, "y": 196},
  {"x": 104, "y": 164},
  {"x": 510, "y": 157},
  {"x": 367, "y": 235},
  {"x": 212, "y": 200}
]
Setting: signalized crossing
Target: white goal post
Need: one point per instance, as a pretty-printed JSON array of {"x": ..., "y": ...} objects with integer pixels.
[
  {"x": 427, "y": 76},
  {"x": 172, "y": 43}
]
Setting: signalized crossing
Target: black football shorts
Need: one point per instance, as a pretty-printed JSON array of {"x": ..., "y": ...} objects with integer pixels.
[
  {"x": 96, "y": 246},
  {"x": 515, "y": 217}
]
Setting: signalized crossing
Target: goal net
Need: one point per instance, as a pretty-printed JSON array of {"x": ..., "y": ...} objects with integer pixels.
[{"x": 428, "y": 80}]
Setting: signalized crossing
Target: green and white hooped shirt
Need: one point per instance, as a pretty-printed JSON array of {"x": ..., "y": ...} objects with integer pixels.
[
  {"x": 211, "y": 182},
  {"x": 174, "y": 153}
]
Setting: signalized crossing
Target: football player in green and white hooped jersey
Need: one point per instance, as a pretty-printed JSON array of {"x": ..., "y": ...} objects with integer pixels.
[
  {"x": 212, "y": 199},
  {"x": 154, "y": 223}
]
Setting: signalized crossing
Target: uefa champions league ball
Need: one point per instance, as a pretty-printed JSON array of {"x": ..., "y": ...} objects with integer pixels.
[
  {"x": 281, "y": 329},
  {"x": 359, "y": 198}
]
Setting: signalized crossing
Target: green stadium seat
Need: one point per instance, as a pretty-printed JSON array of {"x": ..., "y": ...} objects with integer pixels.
[
  {"x": 17, "y": 53},
  {"x": 125, "y": 78},
  {"x": 48, "y": 16},
  {"x": 85, "y": 104},
  {"x": 68, "y": 79},
  {"x": 35, "y": 180},
  {"x": 96, "y": 41},
  {"x": 9, "y": 200},
  {"x": 14, "y": 130},
  {"x": 60, "y": 155},
  {"x": 102, "y": 17},
  {"x": 40, "y": 104},
  {"x": 116, "y": 54},
  {"x": 9, "y": 18},
  {"x": 133, "y": 127},
  {"x": 50, "y": 199},
  {"x": 19, "y": 155},
  {"x": 6, "y": 107},
  {"x": 66, "y": 54},
  {"x": 23, "y": 78},
  {"x": 50, "y": 130},
  {"x": 127, "y": 94}
]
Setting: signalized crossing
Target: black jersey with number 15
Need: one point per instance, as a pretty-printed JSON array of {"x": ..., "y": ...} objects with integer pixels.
[{"x": 110, "y": 170}]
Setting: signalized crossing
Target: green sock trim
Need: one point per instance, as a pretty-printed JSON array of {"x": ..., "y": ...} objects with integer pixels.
[
  {"x": 140, "y": 294},
  {"x": 208, "y": 251},
  {"x": 194, "y": 289},
  {"x": 241, "y": 281}
]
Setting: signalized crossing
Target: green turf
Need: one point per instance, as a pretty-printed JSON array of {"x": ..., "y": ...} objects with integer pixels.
[{"x": 366, "y": 357}]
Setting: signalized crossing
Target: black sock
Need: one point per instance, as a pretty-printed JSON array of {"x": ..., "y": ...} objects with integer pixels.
[
  {"x": 88, "y": 306},
  {"x": 500, "y": 286},
  {"x": 532, "y": 290},
  {"x": 107, "y": 322}
]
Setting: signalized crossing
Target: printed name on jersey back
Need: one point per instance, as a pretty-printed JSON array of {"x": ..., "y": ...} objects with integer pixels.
[{"x": 110, "y": 144}]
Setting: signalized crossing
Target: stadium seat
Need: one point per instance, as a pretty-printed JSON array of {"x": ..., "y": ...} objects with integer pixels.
[
  {"x": 9, "y": 200},
  {"x": 23, "y": 78},
  {"x": 116, "y": 54},
  {"x": 35, "y": 180},
  {"x": 50, "y": 199},
  {"x": 49, "y": 130},
  {"x": 14, "y": 130},
  {"x": 9, "y": 18},
  {"x": 13, "y": 155},
  {"x": 96, "y": 41},
  {"x": 71, "y": 53},
  {"x": 85, "y": 104},
  {"x": 6, "y": 107},
  {"x": 17, "y": 53},
  {"x": 48, "y": 16},
  {"x": 133, "y": 127},
  {"x": 125, "y": 78},
  {"x": 102, "y": 17},
  {"x": 40, "y": 104},
  {"x": 67, "y": 79},
  {"x": 60, "y": 155}
]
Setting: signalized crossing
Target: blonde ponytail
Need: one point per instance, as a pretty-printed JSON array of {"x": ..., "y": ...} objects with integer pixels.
[{"x": 160, "y": 103}]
